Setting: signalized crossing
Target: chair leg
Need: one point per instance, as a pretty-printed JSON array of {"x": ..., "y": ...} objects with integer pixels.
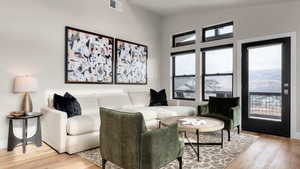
[
  {"x": 180, "y": 162},
  {"x": 103, "y": 163},
  {"x": 228, "y": 131},
  {"x": 239, "y": 129}
]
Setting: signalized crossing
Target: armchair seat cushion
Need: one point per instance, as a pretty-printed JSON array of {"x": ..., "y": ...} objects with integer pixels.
[{"x": 83, "y": 124}]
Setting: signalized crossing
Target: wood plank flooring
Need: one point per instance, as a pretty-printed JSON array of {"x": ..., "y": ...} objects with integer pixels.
[{"x": 268, "y": 152}]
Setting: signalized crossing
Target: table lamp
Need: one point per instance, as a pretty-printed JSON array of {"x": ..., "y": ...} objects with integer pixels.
[{"x": 26, "y": 85}]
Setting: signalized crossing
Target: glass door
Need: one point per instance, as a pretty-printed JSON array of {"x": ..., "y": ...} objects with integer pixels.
[{"x": 266, "y": 86}]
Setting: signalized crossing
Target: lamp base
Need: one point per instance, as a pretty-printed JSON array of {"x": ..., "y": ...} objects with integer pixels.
[{"x": 27, "y": 103}]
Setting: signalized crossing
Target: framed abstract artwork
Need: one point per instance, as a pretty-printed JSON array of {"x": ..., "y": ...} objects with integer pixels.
[
  {"x": 131, "y": 63},
  {"x": 89, "y": 57}
]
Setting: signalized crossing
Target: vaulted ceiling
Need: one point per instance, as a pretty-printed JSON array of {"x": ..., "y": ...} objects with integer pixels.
[{"x": 165, "y": 7}]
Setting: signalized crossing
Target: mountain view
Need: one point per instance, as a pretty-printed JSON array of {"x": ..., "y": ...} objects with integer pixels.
[
  {"x": 265, "y": 81},
  {"x": 268, "y": 81}
]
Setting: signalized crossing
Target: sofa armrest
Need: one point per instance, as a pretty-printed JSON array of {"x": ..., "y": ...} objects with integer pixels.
[
  {"x": 235, "y": 114},
  {"x": 54, "y": 131},
  {"x": 203, "y": 109},
  {"x": 161, "y": 146}
]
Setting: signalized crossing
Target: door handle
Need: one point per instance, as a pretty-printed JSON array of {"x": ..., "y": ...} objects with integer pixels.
[{"x": 286, "y": 91}]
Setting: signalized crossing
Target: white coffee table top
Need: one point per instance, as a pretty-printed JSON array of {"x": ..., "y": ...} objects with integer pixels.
[{"x": 202, "y": 124}]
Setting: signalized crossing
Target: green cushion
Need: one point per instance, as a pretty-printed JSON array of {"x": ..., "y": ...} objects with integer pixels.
[{"x": 218, "y": 105}]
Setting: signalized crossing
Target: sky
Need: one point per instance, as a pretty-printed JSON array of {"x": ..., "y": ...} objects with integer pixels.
[
  {"x": 265, "y": 57},
  {"x": 185, "y": 64},
  {"x": 221, "y": 61}
]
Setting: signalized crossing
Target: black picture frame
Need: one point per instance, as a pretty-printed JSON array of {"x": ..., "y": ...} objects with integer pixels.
[
  {"x": 117, "y": 64},
  {"x": 67, "y": 80}
]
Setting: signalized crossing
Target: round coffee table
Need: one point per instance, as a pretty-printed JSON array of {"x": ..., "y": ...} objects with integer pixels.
[{"x": 198, "y": 125}]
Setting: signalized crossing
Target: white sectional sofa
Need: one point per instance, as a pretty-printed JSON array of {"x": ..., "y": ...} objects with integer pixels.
[{"x": 80, "y": 133}]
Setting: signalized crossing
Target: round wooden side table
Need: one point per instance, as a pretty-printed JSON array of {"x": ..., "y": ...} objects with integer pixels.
[{"x": 35, "y": 139}]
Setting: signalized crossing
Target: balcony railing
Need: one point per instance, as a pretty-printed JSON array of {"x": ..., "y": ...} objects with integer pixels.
[{"x": 265, "y": 105}]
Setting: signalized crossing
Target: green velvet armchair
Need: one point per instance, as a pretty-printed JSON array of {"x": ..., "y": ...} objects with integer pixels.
[
  {"x": 225, "y": 109},
  {"x": 125, "y": 141}
]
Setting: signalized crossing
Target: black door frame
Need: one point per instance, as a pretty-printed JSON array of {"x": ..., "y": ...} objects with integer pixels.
[{"x": 282, "y": 128}]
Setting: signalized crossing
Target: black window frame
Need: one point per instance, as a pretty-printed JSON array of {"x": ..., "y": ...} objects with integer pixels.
[
  {"x": 173, "y": 56},
  {"x": 217, "y": 35},
  {"x": 183, "y": 34},
  {"x": 203, "y": 50}
]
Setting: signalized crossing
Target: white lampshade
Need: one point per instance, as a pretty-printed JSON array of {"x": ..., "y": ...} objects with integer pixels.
[{"x": 25, "y": 84}]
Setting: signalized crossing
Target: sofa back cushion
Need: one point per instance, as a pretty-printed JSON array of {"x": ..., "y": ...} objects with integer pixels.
[
  {"x": 88, "y": 103},
  {"x": 140, "y": 99},
  {"x": 114, "y": 100}
]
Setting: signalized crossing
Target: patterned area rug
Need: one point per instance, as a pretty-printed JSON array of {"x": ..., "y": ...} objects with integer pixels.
[{"x": 211, "y": 157}]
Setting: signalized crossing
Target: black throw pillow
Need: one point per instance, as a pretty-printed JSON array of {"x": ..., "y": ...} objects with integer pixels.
[
  {"x": 158, "y": 98},
  {"x": 68, "y": 104},
  {"x": 222, "y": 105}
]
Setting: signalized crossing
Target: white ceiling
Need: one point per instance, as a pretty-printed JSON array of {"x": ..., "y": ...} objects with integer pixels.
[{"x": 165, "y": 7}]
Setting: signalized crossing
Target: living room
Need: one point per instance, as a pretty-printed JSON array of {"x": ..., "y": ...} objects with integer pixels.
[{"x": 193, "y": 50}]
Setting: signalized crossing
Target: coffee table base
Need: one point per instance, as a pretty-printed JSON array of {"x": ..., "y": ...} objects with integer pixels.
[{"x": 198, "y": 144}]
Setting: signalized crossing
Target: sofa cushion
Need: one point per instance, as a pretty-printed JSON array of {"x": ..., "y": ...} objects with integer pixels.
[
  {"x": 139, "y": 98},
  {"x": 149, "y": 113},
  {"x": 88, "y": 103},
  {"x": 83, "y": 124},
  {"x": 114, "y": 101},
  {"x": 171, "y": 111}
]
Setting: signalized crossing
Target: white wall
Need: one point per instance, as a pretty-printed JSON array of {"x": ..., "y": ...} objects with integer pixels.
[
  {"x": 32, "y": 42},
  {"x": 249, "y": 22}
]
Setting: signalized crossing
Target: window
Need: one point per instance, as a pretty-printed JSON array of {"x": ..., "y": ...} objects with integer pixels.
[
  {"x": 217, "y": 32},
  {"x": 183, "y": 39},
  {"x": 217, "y": 78},
  {"x": 183, "y": 75}
]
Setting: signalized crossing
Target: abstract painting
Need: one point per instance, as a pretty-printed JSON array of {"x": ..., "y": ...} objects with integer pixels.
[
  {"x": 131, "y": 62},
  {"x": 89, "y": 57}
]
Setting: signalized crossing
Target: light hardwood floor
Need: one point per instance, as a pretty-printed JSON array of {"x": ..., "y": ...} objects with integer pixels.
[{"x": 268, "y": 152}]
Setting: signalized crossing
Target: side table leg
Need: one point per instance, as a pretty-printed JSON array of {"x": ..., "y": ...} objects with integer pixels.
[
  {"x": 12, "y": 142},
  {"x": 222, "y": 138},
  {"x": 198, "y": 145},
  {"x": 38, "y": 137},
  {"x": 24, "y": 135}
]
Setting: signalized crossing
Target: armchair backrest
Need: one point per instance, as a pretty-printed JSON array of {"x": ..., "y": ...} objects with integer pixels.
[
  {"x": 219, "y": 105},
  {"x": 120, "y": 137}
]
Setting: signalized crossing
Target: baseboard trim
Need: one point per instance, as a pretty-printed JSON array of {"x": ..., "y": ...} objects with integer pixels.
[
  {"x": 297, "y": 135},
  {"x": 3, "y": 144}
]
